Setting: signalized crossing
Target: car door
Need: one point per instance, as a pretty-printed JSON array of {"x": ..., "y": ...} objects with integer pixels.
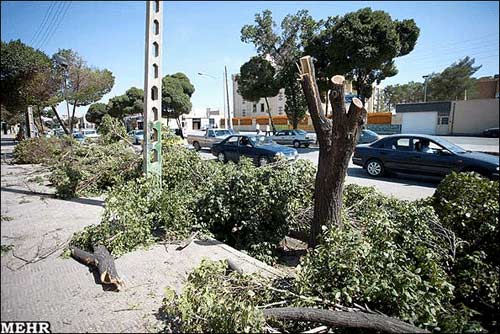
[
  {"x": 397, "y": 153},
  {"x": 247, "y": 150},
  {"x": 230, "y": 148},
  {"x": 439, "y": 161},
  {"x": 279, "y": 137}
]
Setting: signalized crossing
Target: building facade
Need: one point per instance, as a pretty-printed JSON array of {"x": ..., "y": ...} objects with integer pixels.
[{"x": 248, "y": 115}]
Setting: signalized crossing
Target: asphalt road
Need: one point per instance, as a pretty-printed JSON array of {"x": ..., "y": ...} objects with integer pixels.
[{"x": 403, "y": 186}]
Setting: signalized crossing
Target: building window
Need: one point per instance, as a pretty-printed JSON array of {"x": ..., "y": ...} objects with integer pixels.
[
  {"x": 443, "y": 120},
  {"x": 280, "y": 97},
  {"x": 254, "y": 108},
  {"x": 262, "y": 107},
  {"x": 243, "y": 102},
  {"x": 280, "y": 110}
]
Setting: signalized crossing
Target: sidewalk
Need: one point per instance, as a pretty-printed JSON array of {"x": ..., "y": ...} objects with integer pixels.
[{"x": 65, "y": 292}]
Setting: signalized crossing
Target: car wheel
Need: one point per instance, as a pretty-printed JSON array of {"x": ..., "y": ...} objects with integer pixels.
[
  {"x": 221, "y": 157},
  {"x": 375, "y": 168},
  {"x": 196, "y": 146},
  {"x": 263, "y": 160},
  {"x": 296, "y": 143}
]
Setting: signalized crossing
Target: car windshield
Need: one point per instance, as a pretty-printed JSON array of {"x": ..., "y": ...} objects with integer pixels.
[
  {"x": 449, "y": 145},
  {"x": 77, "y": 135},
  {"x": 139, "y": 133},
  {"x": 301, "y": 132},
  {"x": 370, "y": 133},
  {"x": 222, "y": 133},
  {"x": 89, "y": 132},
  {"x": 261, "y": 140}
]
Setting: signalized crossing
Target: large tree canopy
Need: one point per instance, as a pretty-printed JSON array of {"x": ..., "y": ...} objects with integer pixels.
[
  {"x": 177, "y": 90},
  {"x": 284, "y": 46},
  {"x": 362, "y": 46},
  {"x": 23, "y": 77},
  {"x": 452, "y": 83},
  {"x": 257, "y": 80},
  {"x": 132, "y": 102},
  {"x": 85, "y": 84},
  {"x": 403, "y": 93},
  {"x": 96, "y": 112}
]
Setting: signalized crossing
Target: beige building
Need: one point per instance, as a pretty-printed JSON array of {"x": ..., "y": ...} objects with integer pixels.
[{"x": 248, "y": 115}]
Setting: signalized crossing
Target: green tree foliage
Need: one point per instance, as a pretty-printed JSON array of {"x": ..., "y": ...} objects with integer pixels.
[
  {"x": 362, "y": 46},
  {"x": 96, "y": 112},
  {"x": 452, "y": 83},
  {"x": 112, "y": 130},
  {"x": 403, "y": 93},
  {"x": 284, "y": 46},
  {"x": 132, "y": 102},
  {"x": 257, "y": 79},
  {"x": 177, "y": 90},
  {"x": 28, "y": 77},
  {"x": 85, "y": 84}
]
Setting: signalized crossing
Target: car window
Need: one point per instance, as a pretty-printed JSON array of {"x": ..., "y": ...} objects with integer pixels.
[
  {"x": 280, "y": 133},
  {"x": 233, "y": 141},
  {"x": 245, "y": 142},
  {"x": 301, "y": 132},
  {"x": 400, "y": 144}
]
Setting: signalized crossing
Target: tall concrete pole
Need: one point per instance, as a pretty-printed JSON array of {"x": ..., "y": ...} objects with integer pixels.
[
  {"x": 229, "y": 120},
  {"x": 31, "y": 124},
  {"x": 152, "y": 88}
]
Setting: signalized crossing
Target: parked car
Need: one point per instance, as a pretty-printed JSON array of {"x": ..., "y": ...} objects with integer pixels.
[
  {"x": 368, "y": 136},
  {"x": 260, "y": 149},
  {"x": 78, "y": 137},
  {"x": 136, "y": 136},
  {"x": 89, "y": 133},
  {"x": 422, "y": 154},
  {"x": 296, "y": 138},
  {"x": 209, "y": 138},
  {"x": 492, "y": 132}
]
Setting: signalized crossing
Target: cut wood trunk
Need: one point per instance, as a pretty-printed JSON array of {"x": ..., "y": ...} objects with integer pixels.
[
  {"x": 103, "y": 261},
  {"x": 342, "y": 319},
  {"x": 337, "y": 139}
]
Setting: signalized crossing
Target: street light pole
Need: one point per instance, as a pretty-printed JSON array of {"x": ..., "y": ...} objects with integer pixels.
[
  {"x": 225, "y": 91},
  {"x": 64, "y": 64},
  {"x": 425, "y": 87}
]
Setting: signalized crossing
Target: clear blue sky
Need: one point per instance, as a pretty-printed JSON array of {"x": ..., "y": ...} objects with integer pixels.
[{"x": 205, "y": 36}]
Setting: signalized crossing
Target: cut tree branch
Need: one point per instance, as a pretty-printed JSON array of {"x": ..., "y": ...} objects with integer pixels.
[{"x": 342, "y": 319}]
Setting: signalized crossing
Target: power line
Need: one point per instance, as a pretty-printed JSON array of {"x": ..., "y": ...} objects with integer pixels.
[
  {"x": 44, "y": 21},
  {"x": 50, "y": 24},
  {"x": 483, "y": 37},
  {"x": 58, "y": 23}
]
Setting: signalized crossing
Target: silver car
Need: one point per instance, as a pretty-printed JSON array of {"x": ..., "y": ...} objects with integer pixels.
[{"x": 296, "y": 138}]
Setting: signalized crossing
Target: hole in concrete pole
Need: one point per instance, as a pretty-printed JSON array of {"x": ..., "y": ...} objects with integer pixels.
[
  {"x": 154, "y": 135},
  {"x": 154, "y": 93},
  {"x": 156, "y": 49},
  {"x": 156, "y": 6},
  {"x": 155, "y": 113},
  {"x": 153, "y": 155},
  {"x": 155, "y": 71},
  {"x": 156, "y": 27}
]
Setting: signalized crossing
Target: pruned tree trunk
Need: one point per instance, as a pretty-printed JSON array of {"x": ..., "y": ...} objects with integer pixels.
[
  {"x": 60, "y": 120},
  {"x": 102, "y": 260},
  {"x": 337, "y": 141},
  {"x": 270, "y": 117},
  {"x": 342, "y": 319}
]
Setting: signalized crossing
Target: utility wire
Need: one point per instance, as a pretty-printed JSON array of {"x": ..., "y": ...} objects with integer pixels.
[
  {"x": 58, "y": 23},
  {"x": 50, "y": 24},
  {"x": 44, "y": 21}
]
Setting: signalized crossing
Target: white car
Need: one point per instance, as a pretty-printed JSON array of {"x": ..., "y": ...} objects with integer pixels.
[
  {"x": 296, "y": 138},
  {"x": 89, "y": 133}
]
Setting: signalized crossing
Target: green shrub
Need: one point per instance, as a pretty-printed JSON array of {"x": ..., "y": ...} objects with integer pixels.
[
  {"x": 468, "y": 205},
  {"x": 250, "y": 208},
  {"x": 387, "y": 255},
  {"x": 89, "y": 169},
  {"x": 111, "y": 130},
  {"x": 41, "y": 150},
  {"x": 213, "y": 301},
  {"x": 131, "y": 216}
]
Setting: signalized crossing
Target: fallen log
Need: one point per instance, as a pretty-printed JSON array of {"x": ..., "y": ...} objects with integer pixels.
[
  {"x": 342, "y": 319},
  {"x": 103, "y": 261}
]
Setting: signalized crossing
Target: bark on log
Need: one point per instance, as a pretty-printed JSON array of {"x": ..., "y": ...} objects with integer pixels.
[
  {"x": 337, "y": 139},
  {"x": 342, "y": 319},
  {"x": 103, "y": 261}
]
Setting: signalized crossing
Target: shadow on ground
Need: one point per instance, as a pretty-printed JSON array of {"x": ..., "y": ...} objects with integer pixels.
[{"x": 89, "y": 201}]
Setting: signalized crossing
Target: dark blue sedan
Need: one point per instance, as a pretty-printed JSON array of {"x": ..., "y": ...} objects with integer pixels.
[
  {"x": 260, "y": 149},
  {"x": 422, "y": 154}
]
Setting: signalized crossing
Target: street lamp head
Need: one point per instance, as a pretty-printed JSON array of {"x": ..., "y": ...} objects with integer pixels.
[{"x": 61, "y": 60}]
